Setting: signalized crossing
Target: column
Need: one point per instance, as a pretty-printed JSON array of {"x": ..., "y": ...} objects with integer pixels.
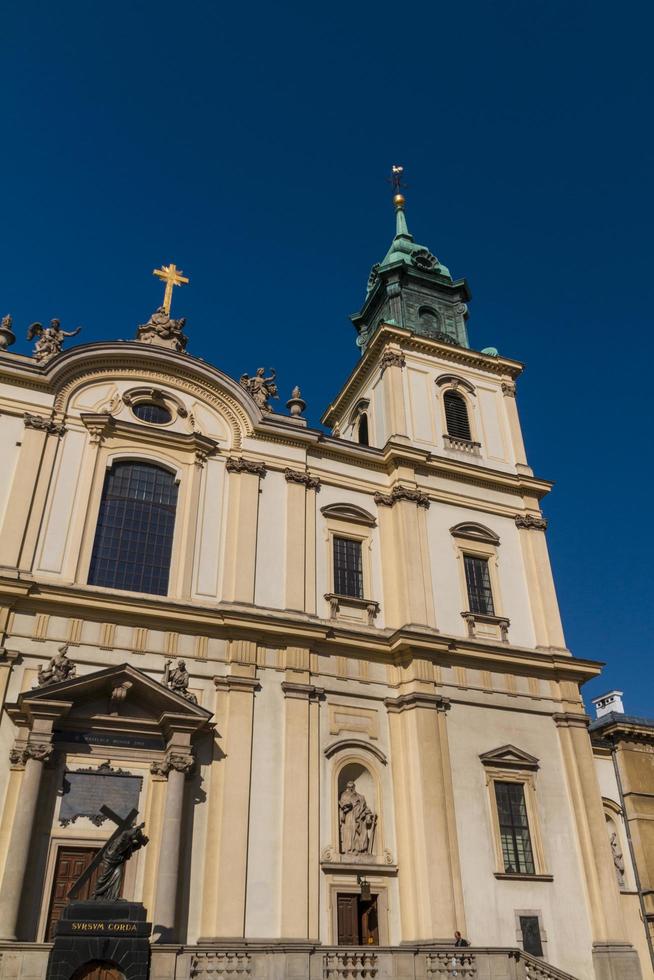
[
  {"x": 177, "y": 765},
  {"x": 33, "y": 756},
  {"x": 300, "y": 845},
  {"x": 431, "y": 891},
  {"x": 242, "y": 519},
  {"x": 23, "y": 487}
]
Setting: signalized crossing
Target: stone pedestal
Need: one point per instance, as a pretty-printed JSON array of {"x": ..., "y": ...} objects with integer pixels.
[{"x": 115, "y": 933}]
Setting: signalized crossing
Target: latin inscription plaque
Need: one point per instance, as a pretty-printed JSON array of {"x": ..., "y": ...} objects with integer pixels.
[{"x": 86, "y": 790}]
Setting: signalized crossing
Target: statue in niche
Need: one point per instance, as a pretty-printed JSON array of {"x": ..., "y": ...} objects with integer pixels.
[
  {"x": 162, "y": 331},
  {"x": 51, "y": 339},
  {"x": 178, "y": 679},
  {"x": 357, "y": 822},
  {"x": 618, "y": 858},
  {"x": 261, "y": 388},
  {"x": 59, "y": 668},
  {"x": 114, "y": 858}
]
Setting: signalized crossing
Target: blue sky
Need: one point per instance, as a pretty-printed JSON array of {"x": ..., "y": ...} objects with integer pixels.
[{"x": 250, "y": 144}]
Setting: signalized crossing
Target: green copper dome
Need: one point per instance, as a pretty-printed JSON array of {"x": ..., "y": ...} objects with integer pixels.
[{"x": 404, "y": 249}]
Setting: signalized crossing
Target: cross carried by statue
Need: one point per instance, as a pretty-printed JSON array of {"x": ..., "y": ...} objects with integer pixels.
[{"x": 112, "y": 857}]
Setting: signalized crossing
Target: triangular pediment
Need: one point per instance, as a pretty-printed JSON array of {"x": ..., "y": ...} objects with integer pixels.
[
  {"x": 509, "y": 757},
  {"x": 115, "y": 697}
]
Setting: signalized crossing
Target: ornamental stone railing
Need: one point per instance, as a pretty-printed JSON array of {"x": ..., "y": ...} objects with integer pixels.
[
  {"x": 451, "y": 964},
  {"x": 349, "y": 965}
]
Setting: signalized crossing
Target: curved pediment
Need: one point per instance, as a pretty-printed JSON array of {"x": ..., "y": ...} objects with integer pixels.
[
  {"x": 133, "y": 366},
  {"x": 349, "y": 512},
  {"x": 474, "y": 532}
]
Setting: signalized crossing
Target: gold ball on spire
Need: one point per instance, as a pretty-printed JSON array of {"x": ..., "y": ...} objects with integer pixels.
[{"x": 398, "y": 201}]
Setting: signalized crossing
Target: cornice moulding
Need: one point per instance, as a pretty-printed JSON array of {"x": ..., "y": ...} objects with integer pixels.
[{"x": 231, "y": 620}]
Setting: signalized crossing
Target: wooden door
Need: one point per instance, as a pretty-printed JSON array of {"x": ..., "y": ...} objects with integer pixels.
[
  {"x": 98, "y": 970},
  {"x": 71, "y": 863},
  {"x": 369, "y": 922},
  {"x": 348, "y": 919}
]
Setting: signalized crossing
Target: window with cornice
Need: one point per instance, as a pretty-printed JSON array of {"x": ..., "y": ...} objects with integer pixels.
[
  {"x": 511, "y": 782},
  {"x": 134, "y": 533}
]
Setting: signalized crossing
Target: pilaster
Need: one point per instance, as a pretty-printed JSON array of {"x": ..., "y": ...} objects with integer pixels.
[
  {"x": 300, "y": 578},
  {"x": 544, "y": 604},
  {"x": 229, "y": 810},
  {"x": 28, "y": 487},
  {"x": 595, "y": 850},
  {"x": 242, "y": 520},
  {"x": 300, "y": 848},
  {"x": 431, "y": 891},
  {"x": 407, "y": 529}
]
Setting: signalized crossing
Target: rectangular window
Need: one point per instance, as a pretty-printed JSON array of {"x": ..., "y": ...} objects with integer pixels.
[
  {"x": 517, "y": 852},
  {"x": 531, "y": 938},
  {"x": 480, "y": 596},
  {"x": 348, "y": 572}
]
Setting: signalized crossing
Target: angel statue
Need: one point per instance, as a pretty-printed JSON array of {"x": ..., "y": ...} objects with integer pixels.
[
  {"x": 50, "y": 340},
  {"x": 261, "y": 388}
]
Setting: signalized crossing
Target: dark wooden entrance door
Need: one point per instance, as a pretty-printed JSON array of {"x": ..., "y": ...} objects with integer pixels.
[
  {"x": 71, "y": 862},
  {"x": 358, "y": 923},
  {"x": 97, "y": 970}
]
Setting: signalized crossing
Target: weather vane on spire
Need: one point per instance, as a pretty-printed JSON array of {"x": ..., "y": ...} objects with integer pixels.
[
  {"x": 395, "y": 178},
  {"x": 172, "y": 276}
]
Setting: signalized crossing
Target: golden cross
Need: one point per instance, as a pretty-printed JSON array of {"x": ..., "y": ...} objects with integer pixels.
[{"x": 172, "y": 276}]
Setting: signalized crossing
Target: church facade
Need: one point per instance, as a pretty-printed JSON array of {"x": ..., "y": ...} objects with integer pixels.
[{"x": 327, "y": 671}]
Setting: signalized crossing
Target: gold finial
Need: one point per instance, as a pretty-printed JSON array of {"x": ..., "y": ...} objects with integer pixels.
[
  {"x": 398, "y": 201},
  {"x": 172, "y": 276}
]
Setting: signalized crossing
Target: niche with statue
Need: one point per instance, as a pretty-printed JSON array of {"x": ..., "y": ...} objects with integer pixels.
[{"x": 357, "y": 820}]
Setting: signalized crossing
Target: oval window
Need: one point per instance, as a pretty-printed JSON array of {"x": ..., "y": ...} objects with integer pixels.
[{"x": 151, "y": 412}]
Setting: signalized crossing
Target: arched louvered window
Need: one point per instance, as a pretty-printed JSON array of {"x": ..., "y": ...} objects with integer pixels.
[
  {"x": 363, "y": 430},
  {"x": 456, "y": 416},
  {"x": 134, "y": 535}
]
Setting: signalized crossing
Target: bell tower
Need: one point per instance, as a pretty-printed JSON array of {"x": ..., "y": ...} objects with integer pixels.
[{"x": 411, "y": 288}]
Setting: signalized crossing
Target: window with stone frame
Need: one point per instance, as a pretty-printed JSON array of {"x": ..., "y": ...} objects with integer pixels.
[
  {"x": 134, "y": 534},
  {"x": 348, "y": 567}
]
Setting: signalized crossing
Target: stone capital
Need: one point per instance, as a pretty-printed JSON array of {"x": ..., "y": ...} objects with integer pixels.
[
  {"x": 570, "y": 719},
  {"x": 297, "y": 476},
  {"x": 392, "y": 358},
  {"x": 45, "y": 425},
  {"x": 417, "y": 699},
  {"x": 399, "y": 493},
  {"x": 530, "y": 522},
  {"x": 302, "y": 692},
  {"x": 39, "y": 751},
  {"x": 233, "y": 682},
  {"x": 99, "y": 425},
  {"x": 177, "y": 761},
  {"x": 236, "y": 464},
  {"x": 508, "y": 389}
]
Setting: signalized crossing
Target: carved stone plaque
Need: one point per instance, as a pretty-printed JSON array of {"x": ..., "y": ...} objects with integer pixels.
[{"x": 86, "y": 790}]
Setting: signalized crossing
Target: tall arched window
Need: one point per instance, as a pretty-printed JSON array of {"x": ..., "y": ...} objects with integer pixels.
[
  {"x": 456, "y": 416},
  {"x": 134, "y": 536},
  {"x": 363, "y": 430}
]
